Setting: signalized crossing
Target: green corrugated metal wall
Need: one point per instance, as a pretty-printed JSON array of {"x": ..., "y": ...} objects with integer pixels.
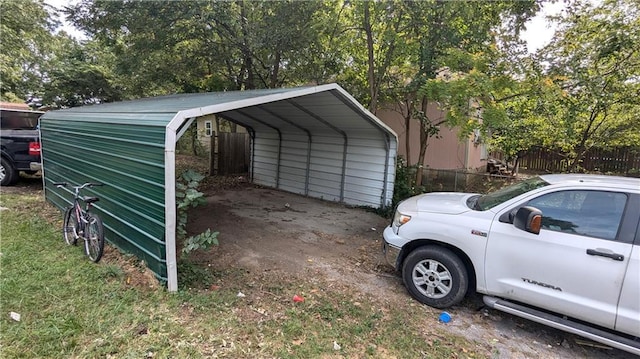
[{"x": 128, "y": 157}]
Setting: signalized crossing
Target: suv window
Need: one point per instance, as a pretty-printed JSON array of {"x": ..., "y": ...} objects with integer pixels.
[{"x": 588, "y": 213}]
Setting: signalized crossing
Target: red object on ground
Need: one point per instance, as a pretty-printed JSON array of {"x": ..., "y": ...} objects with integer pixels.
[{"x": 297, "y": 299}]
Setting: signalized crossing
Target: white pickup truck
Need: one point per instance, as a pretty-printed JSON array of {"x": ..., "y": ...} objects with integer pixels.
[{"x": 562, "y": 250}]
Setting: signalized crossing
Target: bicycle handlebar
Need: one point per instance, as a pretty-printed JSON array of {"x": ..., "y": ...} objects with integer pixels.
[{"x": 88, "y": 184}]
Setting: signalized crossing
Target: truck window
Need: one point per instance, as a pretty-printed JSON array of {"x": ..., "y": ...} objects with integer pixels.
[
  {"x": 19, "y": 119},
  {"x": 502, "y": 195},
  {"x": 589, "y": 213}
]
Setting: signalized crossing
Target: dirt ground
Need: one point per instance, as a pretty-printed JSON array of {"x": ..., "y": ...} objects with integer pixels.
[
  {"x": 263, "y": 229},
  {"x": 266, "y": 230}
]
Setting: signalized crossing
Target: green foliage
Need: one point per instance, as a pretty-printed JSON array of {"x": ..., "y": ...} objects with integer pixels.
[
  {"x": 590, "y": 86},
  {"x": 27, "y": 46},
  {"x": 193, "y": 275},
  {"x": 376, "y": 61},
  {"x": 50, "y": 69},
  {"x": 190, "y": 142},
  {"x": 471, "y": 97},
  {"x": 580, "y": 91},
  {"x": 404, "y": 185},
  {"x": 202, "y": 241},
  {"x": 188, "y": 197},
  {"x": 81, "y": 75},
  {"x": 196, "y": 46},
  {"x": 430, "y": 36}
]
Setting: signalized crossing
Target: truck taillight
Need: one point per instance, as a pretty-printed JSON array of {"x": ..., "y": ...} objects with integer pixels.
[{"x": 34, "y": 148}]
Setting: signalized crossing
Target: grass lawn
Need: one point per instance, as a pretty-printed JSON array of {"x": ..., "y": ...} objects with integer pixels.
[{"x": 72, "y": 308}]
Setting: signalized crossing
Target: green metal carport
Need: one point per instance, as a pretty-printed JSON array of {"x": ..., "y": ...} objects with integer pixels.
[{"x": 315, "y": 141}]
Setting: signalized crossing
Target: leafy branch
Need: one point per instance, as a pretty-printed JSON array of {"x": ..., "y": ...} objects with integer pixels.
[{"x": 189, "y": 197}]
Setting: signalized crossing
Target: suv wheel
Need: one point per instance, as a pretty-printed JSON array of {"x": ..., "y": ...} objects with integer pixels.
[{"x": 435, "y": 276}]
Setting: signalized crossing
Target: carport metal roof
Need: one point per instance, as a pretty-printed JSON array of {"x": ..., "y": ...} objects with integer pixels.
[{"x": 325, "y": 112}]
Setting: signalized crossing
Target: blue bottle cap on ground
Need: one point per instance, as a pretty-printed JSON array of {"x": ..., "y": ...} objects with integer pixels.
[{"x": 445, "y": 317}]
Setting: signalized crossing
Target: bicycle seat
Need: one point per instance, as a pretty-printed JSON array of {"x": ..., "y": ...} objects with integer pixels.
[{"x": 90, "y": 199}]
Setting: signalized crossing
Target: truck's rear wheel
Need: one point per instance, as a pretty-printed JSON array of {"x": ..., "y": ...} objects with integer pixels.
[
  {"x": 8, "y": 174},
  {"x": 435, "y": 276}
]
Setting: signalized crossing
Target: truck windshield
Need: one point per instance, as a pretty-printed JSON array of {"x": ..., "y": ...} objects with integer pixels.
[{"x": 502, "y": 195}]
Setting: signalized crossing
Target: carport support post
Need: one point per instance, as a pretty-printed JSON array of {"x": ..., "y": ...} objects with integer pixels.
[{"x": 170, "y": 208}]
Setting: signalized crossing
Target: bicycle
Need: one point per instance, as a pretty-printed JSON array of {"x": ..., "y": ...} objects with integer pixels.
[{"x": 81, "y": 223}]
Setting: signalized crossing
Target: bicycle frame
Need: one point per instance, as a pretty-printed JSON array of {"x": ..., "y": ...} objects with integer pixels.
[
  {"x": 80, "y": 223},
  {"x": 80, "y": 213},
  {"x": 80, "y": 220}
]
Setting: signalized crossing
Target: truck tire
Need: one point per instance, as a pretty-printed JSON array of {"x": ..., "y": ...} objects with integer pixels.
[
  {"x": 435, "y": 276},
  {"x": 8, "y": 174}
]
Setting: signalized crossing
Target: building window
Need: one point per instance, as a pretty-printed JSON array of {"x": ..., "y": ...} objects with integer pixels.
[{"x": 208, "y": 129}]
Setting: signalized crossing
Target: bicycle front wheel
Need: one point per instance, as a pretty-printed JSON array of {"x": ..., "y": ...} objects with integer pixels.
[
  {"x": 70, "y": 227},
  {"x": 94, "y": 238}
]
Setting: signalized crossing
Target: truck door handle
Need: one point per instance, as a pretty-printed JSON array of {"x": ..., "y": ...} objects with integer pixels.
[{"x": 614, "y": 256}]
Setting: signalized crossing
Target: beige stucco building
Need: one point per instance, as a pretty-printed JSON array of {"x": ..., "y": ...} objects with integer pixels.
[{"x": 447, "y": 151}]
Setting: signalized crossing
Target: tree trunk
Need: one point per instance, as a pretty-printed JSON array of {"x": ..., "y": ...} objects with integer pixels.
[
  {"x": 249, "y": 83},
  {"x": 373, "y": 103},
  {"x": 407, "y": 131},
  {"x": 424, "y": 139},
  {"x": 423, "y": 150},
  {"x": 580, "y": 152},
  {"x": 273, "y": 83},
  {"x": 516, "y": 165}
]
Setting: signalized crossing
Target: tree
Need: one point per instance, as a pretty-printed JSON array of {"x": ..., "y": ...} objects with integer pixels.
[
  {"x": 447, "y": 41},
  {"x": 588, "y": 80},
  {"x": 80, "y": 75},
  {"x": 27, "y": 45},
  {"x": 159, "y": 47},
  {"x": 377, "y": 51},
  {"x": 197, "y": 46},
  {"x": 485, "y": 98},
  {"x": 578, "y": 92}
]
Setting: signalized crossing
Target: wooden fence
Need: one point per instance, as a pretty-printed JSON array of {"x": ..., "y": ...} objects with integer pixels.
[
  {"x": 230, "y": 153},
  {"x": 623, "y": 161}
]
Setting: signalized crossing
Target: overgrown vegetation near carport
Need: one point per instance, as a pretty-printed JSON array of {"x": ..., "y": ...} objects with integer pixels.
[{"x": 71, "y": 307}]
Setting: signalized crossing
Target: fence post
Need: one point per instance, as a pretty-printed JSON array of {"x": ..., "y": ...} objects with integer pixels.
[
  {"x": 212, "y": 154},
  {"x": 455, "y": 181}
]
